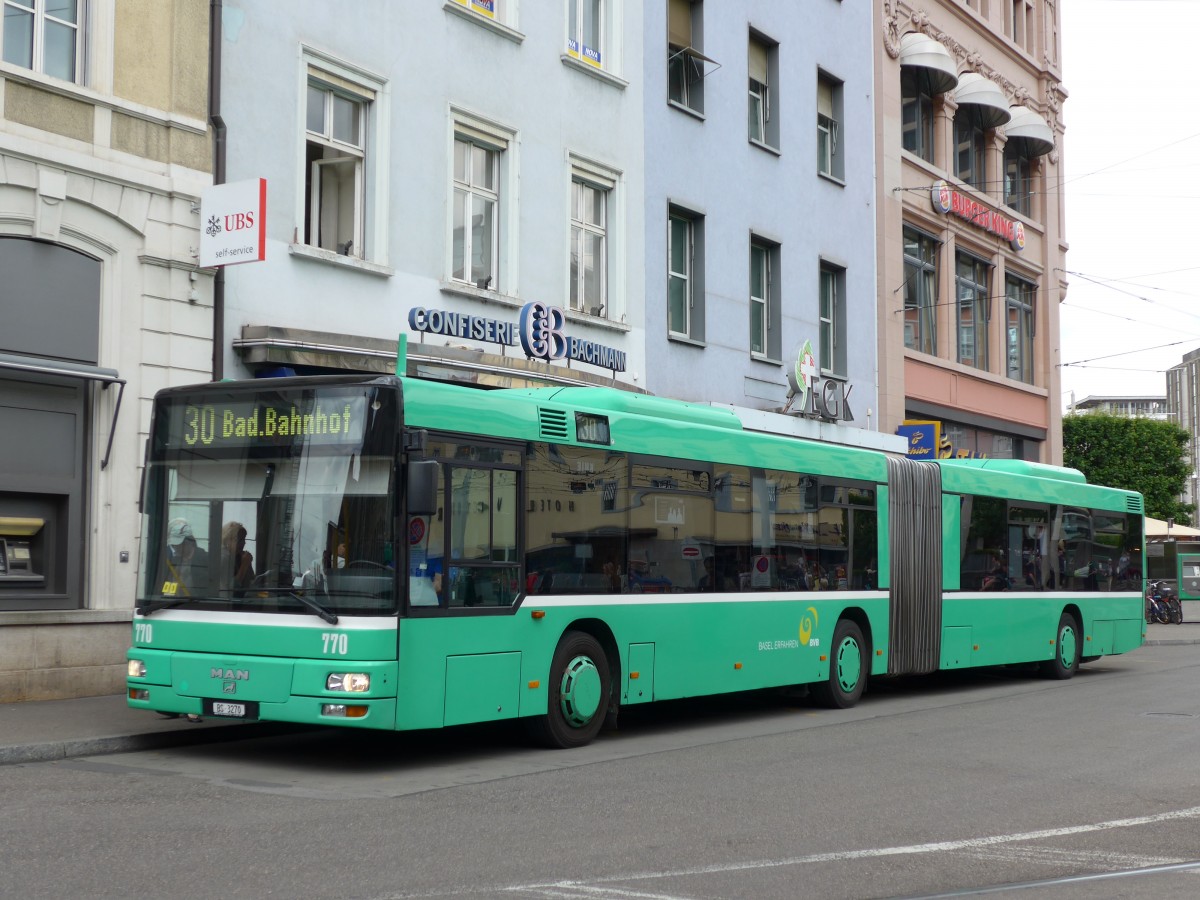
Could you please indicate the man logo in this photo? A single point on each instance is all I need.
(229, 674)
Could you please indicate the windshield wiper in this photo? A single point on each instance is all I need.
(154, 605)
(316, 607)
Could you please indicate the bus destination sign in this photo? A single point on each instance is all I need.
(240, 423)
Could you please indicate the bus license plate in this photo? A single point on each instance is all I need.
(226, 709)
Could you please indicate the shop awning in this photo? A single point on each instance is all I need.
(923, 52)
(1029, 132)
(975, 90)
(1157, 529)
(38, 365)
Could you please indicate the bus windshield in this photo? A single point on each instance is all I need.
(274, 501)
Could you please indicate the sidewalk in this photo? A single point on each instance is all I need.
(59, 729)
(1187, 633)
(90, 726)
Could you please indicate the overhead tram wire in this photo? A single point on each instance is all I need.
(1083, 362)
(1101, 312)
(1061, 180)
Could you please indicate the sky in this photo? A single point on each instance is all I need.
(1131, 158)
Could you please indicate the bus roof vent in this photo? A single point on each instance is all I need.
(553, 424)
(1134, 504)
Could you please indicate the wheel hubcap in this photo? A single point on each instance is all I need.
(849, 664)
(1066, 643)
(580, 691)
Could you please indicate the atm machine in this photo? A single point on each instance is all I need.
(19, 551)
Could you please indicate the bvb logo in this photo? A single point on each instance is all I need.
(807, 624)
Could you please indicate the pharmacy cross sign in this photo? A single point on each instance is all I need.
(826, 398)
(806, 372)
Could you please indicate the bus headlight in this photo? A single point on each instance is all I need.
(137, 668)
(353, 682)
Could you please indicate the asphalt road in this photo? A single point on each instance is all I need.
(975, 784)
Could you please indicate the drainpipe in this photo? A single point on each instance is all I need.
(218, 128)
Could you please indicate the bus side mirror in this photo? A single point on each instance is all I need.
(422, 487)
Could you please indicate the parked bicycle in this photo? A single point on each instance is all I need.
(1162, 605)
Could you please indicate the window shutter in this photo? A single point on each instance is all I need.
(824, 98)
(679, 23)
(758, 61)
(339, 83)
(479, 136)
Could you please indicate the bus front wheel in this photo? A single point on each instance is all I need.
(847, 668)
(1067, 649)
(579, 692)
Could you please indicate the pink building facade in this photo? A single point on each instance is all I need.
(970, 228)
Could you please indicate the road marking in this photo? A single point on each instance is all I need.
(1054, 856)
(1188, 867)
(578, 890)
(879, 852)
(592, 887)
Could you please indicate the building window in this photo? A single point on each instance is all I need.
(476, 212)
(916, 99)
(764, 298)
(920, 291)
(760, 303)
(1019, 327)
(1050, 31)
(971, 285)
(45, 36)
(585, 31)
(1018, 181)
(593, 198)
(484, 219)
(829, 117)
(335, 150)
(764, 65)
(685, 275)
(970, 142)
(493, 10)
(685, 62)
(832, 316)
(1019, 23)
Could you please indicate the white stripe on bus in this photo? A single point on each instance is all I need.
(291, 620)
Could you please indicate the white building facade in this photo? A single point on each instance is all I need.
(1183, 408)
(435, 169)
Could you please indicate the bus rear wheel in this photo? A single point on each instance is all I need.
(847, 668)
(1067, 650)
(579, 691)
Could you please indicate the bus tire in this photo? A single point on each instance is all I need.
(579, 691)
(847, 668)
(1067, 649)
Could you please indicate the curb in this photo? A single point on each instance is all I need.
(50, 751)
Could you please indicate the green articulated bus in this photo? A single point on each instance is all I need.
(391, 553)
